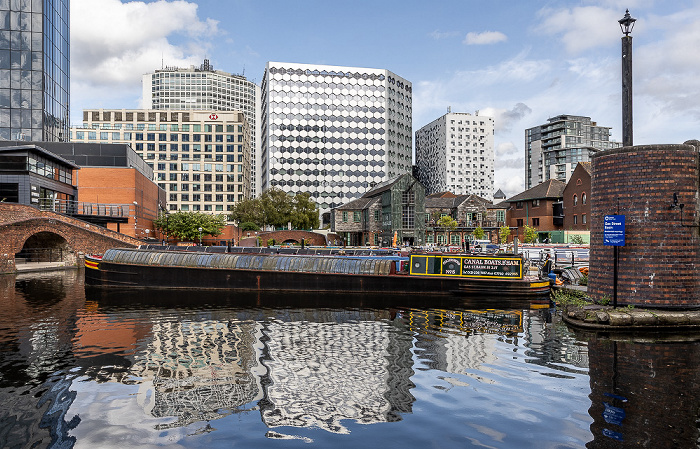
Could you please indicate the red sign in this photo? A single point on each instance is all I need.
(213, 117)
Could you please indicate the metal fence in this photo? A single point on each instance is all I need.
(83, 208)
(28, 255)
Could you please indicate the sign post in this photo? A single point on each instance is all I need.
(614, 235)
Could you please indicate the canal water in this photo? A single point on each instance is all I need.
(86, 369)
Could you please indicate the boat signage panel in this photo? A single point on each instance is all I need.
(467, 266)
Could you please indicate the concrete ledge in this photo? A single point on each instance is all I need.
(606, 318)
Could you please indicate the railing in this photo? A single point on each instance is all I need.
(83, 208)
(39, 255)
(462, 224)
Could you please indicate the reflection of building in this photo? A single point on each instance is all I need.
(34, 70)
(550, 344)
(644, 394)
(323, 373)
(199, 370)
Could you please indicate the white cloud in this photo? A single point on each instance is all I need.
(484, 38)
(437, 34)
(114, 43)
(581, 28)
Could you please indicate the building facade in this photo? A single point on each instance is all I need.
(200, 158)
(540, 207)
(332, 131)
(469, 211)
(552, 150)
(205, 89)
(34, 70)
(577, 199)
(456, 153)
(392, 213)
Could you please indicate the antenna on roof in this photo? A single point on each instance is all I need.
(244, 71)
(162, 61)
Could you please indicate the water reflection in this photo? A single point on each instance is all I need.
(645, 391)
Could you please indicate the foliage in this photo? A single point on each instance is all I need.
(447, 222)
(583, 280)
(185, 225)
(479, 233)
(248, 226)
(504, 233)
(270, 242)
(530, 234)
(576, 239)
(275, 208)
(605, 300)
(564, 297)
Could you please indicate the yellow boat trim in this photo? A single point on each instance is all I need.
(92, 265)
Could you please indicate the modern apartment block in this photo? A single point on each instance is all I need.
(200, 158)
(455, 153)
(553, 150)
(333, 131)
(34, 70)
(205, 89)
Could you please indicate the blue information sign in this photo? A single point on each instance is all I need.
(614, 230)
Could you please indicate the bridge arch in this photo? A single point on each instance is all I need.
(46, 246)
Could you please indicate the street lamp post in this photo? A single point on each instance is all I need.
(626, 25)
(136, 217)
(200, 236)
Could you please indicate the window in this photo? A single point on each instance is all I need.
(356, 217)
(575, 200)
(575, 219)
(535, 222)
(519, 222)
(535, 203)
(345, 217)
(583, 219)
(519, 205)
(583, 200)
(501, 215)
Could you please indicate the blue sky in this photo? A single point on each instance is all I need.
(521, 62)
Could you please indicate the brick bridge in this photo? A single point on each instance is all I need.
(26, 230)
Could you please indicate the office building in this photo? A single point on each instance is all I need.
(553, 150)
(205, 89)
(200, 158)
(455, 153)
(34, 70)
(333, 131)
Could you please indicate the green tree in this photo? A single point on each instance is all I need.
(277, 207)
(530, 234)
(304, 212)
(248, 226)
(504, 233)
(576, 239)
(248, 211)
(185, 225)
(479, 233)
(447, 222)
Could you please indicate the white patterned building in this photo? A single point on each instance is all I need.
(455, 153)
(333, 131)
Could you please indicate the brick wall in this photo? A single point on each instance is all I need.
(19, 222)
(659, 266)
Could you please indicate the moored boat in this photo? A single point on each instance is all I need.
(423, 274)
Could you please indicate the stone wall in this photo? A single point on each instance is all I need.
(659, 266)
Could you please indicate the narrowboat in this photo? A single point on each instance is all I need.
(388, 274)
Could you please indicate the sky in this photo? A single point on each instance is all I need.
(521, 62)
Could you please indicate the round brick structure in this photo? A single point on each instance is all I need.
(659, 266)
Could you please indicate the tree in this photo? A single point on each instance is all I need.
(304, 212)
(250, 211)
(448, 223)
(504, 233)
(277, 207)
(185, 225)
(479, 233)
(530, 234)
(248, 226)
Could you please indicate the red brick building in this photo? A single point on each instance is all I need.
(539, 207)
(577, 199)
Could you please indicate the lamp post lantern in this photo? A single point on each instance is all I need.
(200, 235)
(626, 26)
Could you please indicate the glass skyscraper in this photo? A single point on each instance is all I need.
(34, 70)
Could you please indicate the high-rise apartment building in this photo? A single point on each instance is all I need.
(205, 89)
(34, 70)
(455, 153)
(200, 158)
(333, 131)
(553, 150)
